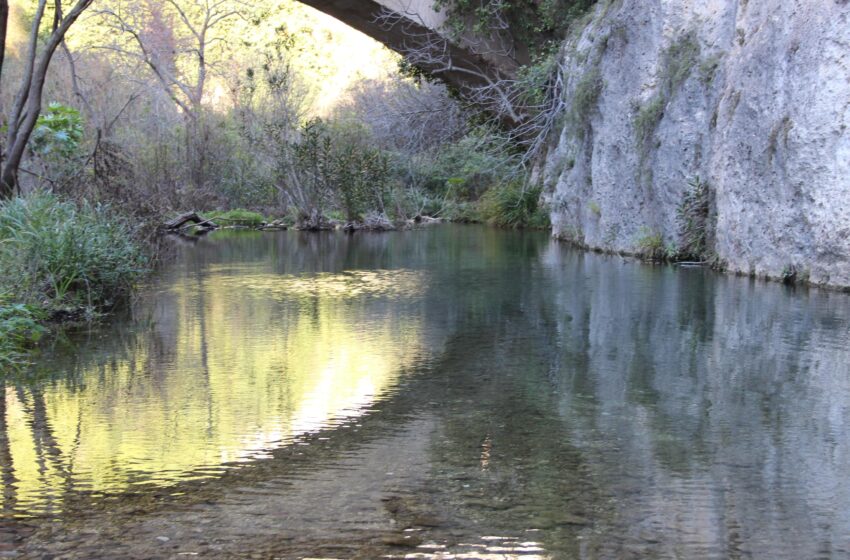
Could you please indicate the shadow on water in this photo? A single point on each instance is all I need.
(450, 392)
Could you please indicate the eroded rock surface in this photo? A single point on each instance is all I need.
(751, 97)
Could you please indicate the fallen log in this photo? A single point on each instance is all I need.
(189, 219)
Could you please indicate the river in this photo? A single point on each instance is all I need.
(446, 392)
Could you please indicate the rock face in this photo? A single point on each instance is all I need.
(750, 96)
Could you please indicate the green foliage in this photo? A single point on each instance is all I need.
(58, 132)
(650, 246)
(20, 328)
(361, 175)
(473, 164)
(693, 216)
(59, 259)
(514, 204)
(238, 216)
(585, 99)
(533, 23)
(677, 62)
(646, 121)
(533, 79)
(58, 255)
(461, 211)
(333, 162)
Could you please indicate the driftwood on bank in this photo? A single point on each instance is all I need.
(188, 220)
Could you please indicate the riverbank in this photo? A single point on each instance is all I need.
(62, 261)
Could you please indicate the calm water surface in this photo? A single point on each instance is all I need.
(453, 392)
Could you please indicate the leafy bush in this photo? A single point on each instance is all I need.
(56, 254)
(332, 163)
(532, 23)
(58, 132)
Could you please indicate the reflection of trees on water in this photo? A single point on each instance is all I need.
(208, 360)
(7, 473)
(613, 409)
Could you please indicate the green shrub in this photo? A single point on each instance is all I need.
(55, 254)
(514, 204)
(59, 259)
(460, 211)
(650, 246)
(238, 216)
(335, 163)
(58, 132)
(534, 24)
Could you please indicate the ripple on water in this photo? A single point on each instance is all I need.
(451, 393)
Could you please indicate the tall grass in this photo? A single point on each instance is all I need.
(19, 327)
(59, 258)
(514, 205)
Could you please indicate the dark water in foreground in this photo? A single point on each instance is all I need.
(455, 392)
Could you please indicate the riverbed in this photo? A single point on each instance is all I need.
(447, 392)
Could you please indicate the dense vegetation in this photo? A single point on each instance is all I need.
(60, 260)
(535, 25)
(231, 109)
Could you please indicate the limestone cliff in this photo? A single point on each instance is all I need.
(750, 96)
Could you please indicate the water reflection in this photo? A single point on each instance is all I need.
(236, 360)
(514, 399)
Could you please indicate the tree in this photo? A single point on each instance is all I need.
(27, 105)
(518, 91)
(180, 42)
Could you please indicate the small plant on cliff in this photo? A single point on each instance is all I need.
(584, 100)
(677, 62)
(646, 121)
(650, 246)
(693, 216)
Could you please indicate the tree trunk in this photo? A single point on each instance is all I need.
(28, 102)
(8, 182)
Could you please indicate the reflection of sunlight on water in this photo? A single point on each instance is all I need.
(492, 548)
(229, 372)
(317, 406)
(348, 284)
